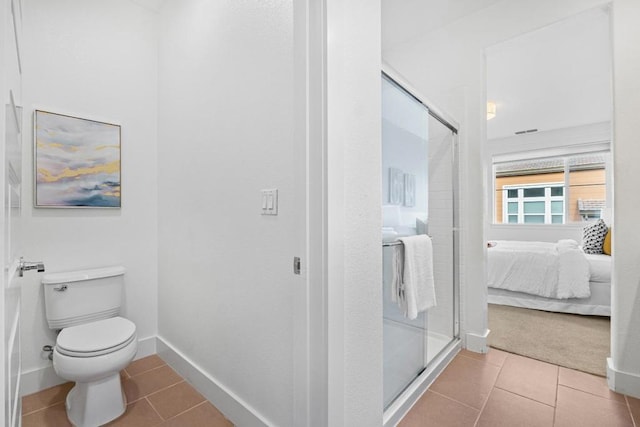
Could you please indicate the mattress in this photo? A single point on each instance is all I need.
(598, 304)
(599, 268)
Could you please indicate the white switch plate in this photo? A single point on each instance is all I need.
(269, 201)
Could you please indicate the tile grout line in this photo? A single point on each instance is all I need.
(144, 372)
(43, 408)
(633, 420)
(451, 399)
(187, 410)
(493, 386)
(524, 397)
(154, 409)
(480, 360)
(592, 394)
(555, 406)
(182, 380)
(154, 392)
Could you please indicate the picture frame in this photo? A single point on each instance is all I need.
(76, 162)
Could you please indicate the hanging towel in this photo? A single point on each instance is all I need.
(397, 291)
(417, 278)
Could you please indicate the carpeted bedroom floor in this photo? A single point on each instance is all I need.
(569, 340)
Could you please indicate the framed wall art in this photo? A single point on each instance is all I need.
(409, 190)
(396, 186)
(76, 162)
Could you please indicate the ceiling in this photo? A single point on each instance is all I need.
(556, 77)
(406, 20)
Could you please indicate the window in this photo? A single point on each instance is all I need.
(534, 205)
(555, 190)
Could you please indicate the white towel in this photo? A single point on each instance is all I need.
(417, 278)
(397, 291)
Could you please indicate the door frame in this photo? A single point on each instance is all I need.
(338, 360)
(310, 290)
(10, 88)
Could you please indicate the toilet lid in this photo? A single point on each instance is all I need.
(96, 338)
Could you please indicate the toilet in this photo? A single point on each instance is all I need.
(94, 343)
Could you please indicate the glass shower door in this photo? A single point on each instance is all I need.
(442, 318)
(418, 167)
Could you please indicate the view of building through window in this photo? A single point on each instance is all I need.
(555, 190)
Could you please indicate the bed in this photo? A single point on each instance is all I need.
(549, 276)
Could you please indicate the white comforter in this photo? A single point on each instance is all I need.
(553, 270)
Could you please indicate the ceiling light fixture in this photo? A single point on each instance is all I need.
(491, 110)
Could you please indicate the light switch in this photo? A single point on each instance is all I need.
(270, 201)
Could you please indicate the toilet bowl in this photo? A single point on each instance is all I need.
(92, 355)
(94, 343)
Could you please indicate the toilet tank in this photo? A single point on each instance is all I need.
(82, 296)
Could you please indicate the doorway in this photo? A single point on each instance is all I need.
(549, 171)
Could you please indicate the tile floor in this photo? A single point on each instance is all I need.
(503, 389)
(156, 396)
(493, 390)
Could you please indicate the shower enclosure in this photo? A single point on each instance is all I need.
(419, 188)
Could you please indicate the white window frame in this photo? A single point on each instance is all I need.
(565, 152)
(547, 199)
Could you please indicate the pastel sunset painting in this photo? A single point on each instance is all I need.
(77, 162)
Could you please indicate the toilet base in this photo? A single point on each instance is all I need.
(96, 403)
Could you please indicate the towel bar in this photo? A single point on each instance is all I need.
(396, 242)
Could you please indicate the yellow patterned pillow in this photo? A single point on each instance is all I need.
(606, 246)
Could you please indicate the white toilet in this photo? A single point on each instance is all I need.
(94, 343)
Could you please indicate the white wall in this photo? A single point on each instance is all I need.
(457, 85)
(624, 372)
(226, 124)
(355, 254)
(97, 60)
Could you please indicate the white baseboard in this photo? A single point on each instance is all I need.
(38, 379)
(146, 347)
(622, 382)
(478, 343)
(232, 406)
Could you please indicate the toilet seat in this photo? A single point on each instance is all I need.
(96, 338)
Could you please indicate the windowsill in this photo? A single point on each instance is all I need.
(570, 225)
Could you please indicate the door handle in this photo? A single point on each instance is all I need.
(29, 265)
